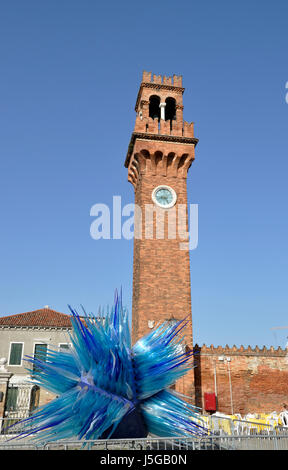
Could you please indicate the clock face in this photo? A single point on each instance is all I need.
(164, 196)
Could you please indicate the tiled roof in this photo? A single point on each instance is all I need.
(42, 317)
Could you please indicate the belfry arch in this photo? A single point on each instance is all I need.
(154, 107)
(170, 109)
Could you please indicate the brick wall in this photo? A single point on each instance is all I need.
(161, 275)
(161, 270)
(258, 378)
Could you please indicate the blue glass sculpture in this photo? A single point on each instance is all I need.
(107, 388)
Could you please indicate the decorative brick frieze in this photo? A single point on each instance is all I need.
(153, 158)
(241, 351)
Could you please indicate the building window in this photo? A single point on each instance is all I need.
(11, 399)
(63, 347)
(40, 353)
(15, 357)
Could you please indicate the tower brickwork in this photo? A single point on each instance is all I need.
(160, 153)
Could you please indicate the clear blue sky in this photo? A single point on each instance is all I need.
(70, 72)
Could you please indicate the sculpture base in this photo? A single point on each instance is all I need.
(131, 426)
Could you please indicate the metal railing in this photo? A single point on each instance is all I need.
(243, 427)
(235, 427)
(10, 425)
(260, 442)
(223, 433)
(246, 442)
(213, 425)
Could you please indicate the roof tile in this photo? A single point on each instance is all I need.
(42, 317)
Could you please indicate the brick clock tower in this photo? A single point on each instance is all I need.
(160, 153)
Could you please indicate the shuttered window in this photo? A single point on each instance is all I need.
(11, 400)
(15, 354)
(40, 352)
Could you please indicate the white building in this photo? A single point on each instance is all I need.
(27, 334)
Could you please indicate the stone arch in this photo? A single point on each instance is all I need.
(149, 162)
(171, 161)
(145, 153)
(158, 157)
(182, 160)
(170, 109)
(141, 161)
(170, 158)
(184, 164)
(134, 169)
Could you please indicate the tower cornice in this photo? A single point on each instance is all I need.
(156, 137)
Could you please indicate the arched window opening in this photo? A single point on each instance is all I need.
(154, 109)
(170, 109)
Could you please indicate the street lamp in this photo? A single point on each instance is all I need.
(227, 359)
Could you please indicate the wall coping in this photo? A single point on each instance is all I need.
(32, 328)
(238, 351)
